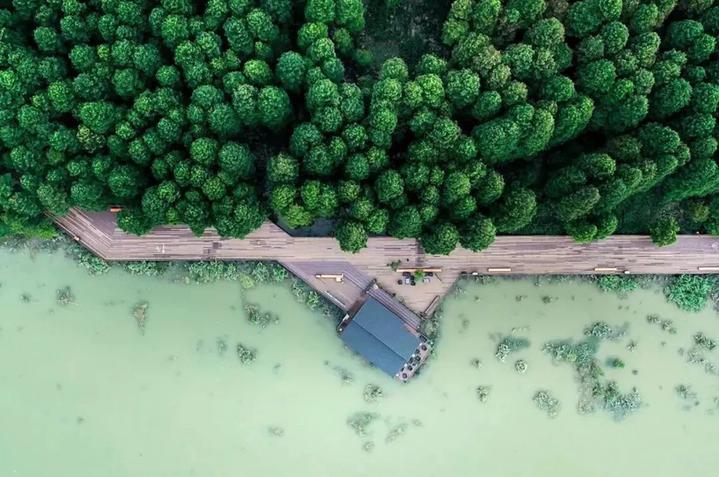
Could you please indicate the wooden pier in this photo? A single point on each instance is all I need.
(310, 256)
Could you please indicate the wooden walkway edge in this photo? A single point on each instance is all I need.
(307, 256)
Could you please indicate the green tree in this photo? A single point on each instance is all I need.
(440, 239)
(351, 235)
(478, 233)
(664, 231)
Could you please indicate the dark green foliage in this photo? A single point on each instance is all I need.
(584, 118)
(619, 284)
(690, 292)
(351, 235)
(478, 233)
(441, 239)
(664, 231)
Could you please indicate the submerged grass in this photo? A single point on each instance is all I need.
(139, 312)
(595, 391)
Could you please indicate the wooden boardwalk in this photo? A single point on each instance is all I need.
(520, 255)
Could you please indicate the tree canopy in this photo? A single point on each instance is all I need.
(583, 117)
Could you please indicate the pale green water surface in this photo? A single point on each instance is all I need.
(83, 393)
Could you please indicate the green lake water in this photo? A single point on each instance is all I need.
(84, 393)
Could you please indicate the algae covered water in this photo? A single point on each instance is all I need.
(118, 375)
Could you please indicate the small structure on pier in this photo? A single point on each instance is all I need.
(383, 339)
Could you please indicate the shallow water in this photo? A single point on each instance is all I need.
(83, 392)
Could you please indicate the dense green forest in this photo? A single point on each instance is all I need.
(522, 116)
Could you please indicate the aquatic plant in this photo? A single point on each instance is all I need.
(665, 325)
(210, 271)
(221, 345)
(457, 290)
(313, 300)
(594, 391)
(246, 354)
(360, 421)
(603, 331)
(93, 264)
(509, 345)
(579, 354)
(484, 279)
(86, 260)
(64, 296)
(278, 272)
(261, 273)
(541, 280)
(246, 281)
(547, 403)
(616, 403)
(686, 394)
(276, 431)
(256, 317)
(696, 354)
(146, 268)
(690, 292)
(139, 312)
(704, 342)
(614, 362)
(345, 374)
(204, 272)
(430, 326)
(620, 284)
(520, 366)
(483, 393)
(396, 431)
(372, 393)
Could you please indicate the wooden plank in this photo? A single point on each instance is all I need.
(520, 255)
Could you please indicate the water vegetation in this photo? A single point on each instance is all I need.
(666, 325)
(521, 366)
(276, 431)
(508, 345)
(246, 354)
(248, 274)
(614, 362)
(595, 391)
(690, 292)
(256, 317)
(697, 353)
(64, 296)
(139, 312)
(687, 395)
(620, 284)
(601, 330)
(372, 393)
(396, 431)
(146, 268)
(483, 393)
(547, 403)
(704, 342)
(361, 421)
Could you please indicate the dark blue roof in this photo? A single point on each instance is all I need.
(380, 336)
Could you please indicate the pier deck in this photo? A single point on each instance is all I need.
(307, 256)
